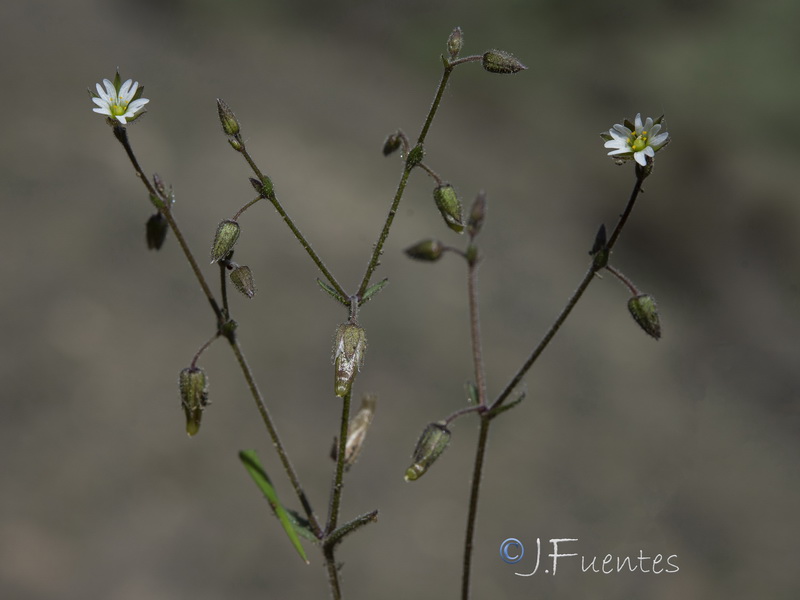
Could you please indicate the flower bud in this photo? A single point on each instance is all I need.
(357, 432)
(263, 187)
(348, 356)
(455, 42)
(431, 444)
(427, 250)
(242, 279)
(644, 311)
(224, 239)
(194, 396)
(230, 125)
(449, 206)
(477, 215)
(498, 61)
(392, 144)
(156, 229)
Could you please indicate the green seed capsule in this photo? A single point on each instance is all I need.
(644, 311)
(193, 386)
(224, 240)
(499, 61)
(449, 206)
(431, 444)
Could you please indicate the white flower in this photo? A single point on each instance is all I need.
(121, 102)
(643, 142)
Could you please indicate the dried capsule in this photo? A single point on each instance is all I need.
(357, 431)
(477, 215)
(348, 356)
(242, 279)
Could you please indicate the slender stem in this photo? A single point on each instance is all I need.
(401, 186)
(475, 330)
(462, 412)
(336, 490)
(276, 441)
(473, 504)
(297, 234)
(328, 549)
(203, 349)
(576, 295)
(333, 572)
(245, 207)
(378, 249)
(625, 281)
(223, 286)
(448, 69)
(122, 136)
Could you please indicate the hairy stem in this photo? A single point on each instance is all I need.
(273, 434)
(122, 136)
(297, 234)
(472, 514)
(475, 331)
(401, 186)
(576, 295)
(336, 490)
(328, 548)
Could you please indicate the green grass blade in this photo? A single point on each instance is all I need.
(253, 466)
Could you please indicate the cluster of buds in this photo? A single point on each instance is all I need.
(348, 356)
(193, 385)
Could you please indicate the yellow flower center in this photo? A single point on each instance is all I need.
(639, 143)
(119, 108)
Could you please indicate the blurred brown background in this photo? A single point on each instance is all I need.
(688, 446)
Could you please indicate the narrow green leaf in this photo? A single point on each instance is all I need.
(503, 408)
(372, 290)
(333, 293)
(472, 392)
(253, 466)
(301, 525)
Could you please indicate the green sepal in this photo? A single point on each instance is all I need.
(332, 292)
(372, 290)
(301, 525)
(157, 202)
(415, 156)
(253, 466)
(117, 83)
